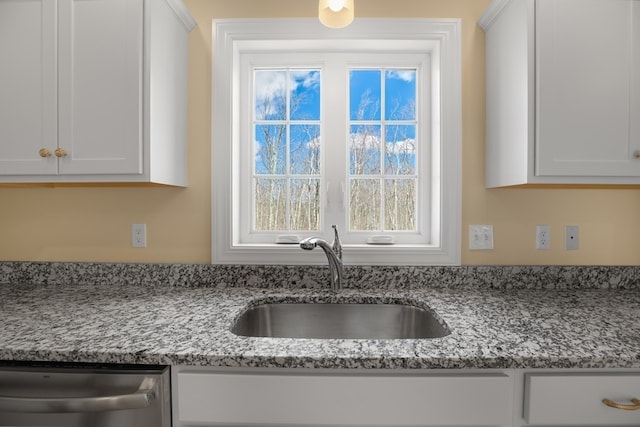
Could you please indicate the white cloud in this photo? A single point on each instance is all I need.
(315, 143)
(406, 146)
(405, 75)
(305, 78)
(372, 142)
(270, 84)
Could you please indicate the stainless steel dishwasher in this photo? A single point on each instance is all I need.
(81, 395)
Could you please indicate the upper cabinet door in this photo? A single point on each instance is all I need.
(101, 86)
(586, 84)
(28, 118)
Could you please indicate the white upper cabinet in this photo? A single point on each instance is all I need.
(28, 87)
(563, 92)
(100, 95)
(94, 91)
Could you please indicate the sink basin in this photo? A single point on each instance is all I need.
(338, 320)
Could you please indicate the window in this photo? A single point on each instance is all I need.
(358, 128)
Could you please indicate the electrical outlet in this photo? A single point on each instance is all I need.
(571, 238)
(480, 237)
(139, 235)
(543, 237)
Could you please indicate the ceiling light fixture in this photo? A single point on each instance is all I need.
(335, 13)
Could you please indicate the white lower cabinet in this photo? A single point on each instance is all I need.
(224, 397)
(576, 399)
(237, 397)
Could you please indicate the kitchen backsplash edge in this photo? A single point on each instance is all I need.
(358, 277)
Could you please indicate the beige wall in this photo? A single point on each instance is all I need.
(93, 223)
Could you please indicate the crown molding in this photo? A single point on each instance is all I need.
(182, 13)
(492, 12)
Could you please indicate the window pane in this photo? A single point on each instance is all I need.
(374, 135)
(365, 94)
(364, 205)
(270, 149)
(305, 94)
(400, 94)
(400, 205)
(305, 204)
(364, 150)
(287, 149)
(305, 149)
(270, 94)
(270, 204)
(400, 150)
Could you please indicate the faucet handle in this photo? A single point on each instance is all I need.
(336, 246)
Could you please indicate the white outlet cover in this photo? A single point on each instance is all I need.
(481, 237)
(571, 238)
(139, 235)
(543, 237)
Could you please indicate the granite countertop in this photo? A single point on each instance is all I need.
(491, 328)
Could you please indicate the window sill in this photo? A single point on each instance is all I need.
(397, 254)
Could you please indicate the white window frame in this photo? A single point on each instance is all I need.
(334, 127)
(438, 38)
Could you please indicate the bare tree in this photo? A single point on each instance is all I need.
(287, 198)
(383, 185)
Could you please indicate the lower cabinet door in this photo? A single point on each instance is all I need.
(577, 399)
(344, 399)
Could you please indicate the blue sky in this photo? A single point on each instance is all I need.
(305, 89)
(400, 87)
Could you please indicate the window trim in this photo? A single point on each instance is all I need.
(231, 37)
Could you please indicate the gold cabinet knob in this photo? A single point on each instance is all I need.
(60, 152)
(636, 154)
(44, 152)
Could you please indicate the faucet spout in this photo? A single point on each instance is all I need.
(333, 253)
(336, 245)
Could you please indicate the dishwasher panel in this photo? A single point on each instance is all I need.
(85, 396)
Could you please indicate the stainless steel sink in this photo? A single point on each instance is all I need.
(341, 320)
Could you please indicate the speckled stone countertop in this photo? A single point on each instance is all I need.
(491, 328)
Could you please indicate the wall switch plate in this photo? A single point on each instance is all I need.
(480, 237)
(571, 238)
(543, 237)
(139, 235)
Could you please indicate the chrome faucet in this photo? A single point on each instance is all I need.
(333, 253)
